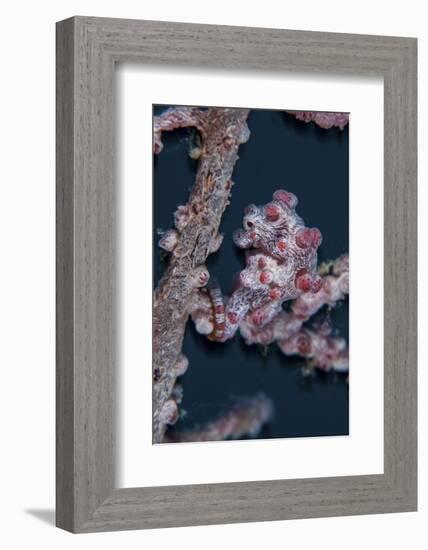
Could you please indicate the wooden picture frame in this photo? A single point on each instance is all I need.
(87, 50)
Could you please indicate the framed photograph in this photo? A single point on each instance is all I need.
(236, 274)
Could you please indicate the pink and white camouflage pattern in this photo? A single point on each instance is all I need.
(281, 264)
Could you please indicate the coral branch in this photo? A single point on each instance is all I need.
(195, 236)
(176, 117)
(322, 119)
(325, 351)
(313, 342)
(245, 418)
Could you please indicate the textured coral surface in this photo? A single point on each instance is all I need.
(281, 264)
(195, 236)
(315, 342)
(323, 120)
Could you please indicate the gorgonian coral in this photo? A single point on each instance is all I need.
(195, 236)
(244, 418)
(321, 119)
(315, 341)
(276, 294)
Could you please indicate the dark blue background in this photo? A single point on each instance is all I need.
(313, 164)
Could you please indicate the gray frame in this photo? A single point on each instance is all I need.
(87, 50)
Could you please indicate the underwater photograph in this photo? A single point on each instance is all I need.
(250, 274)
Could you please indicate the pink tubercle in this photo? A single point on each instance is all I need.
(232, 317)
(286, 197)
(266, 277)
(275, 293)
(257, 317)
(304, 237)
(303, 280)
(272, 212)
